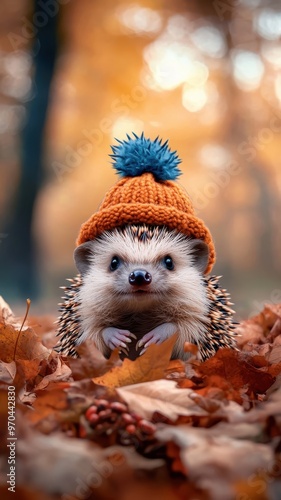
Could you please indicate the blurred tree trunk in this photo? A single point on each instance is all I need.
(18, 253)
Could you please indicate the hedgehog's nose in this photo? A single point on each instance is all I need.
(140, 277)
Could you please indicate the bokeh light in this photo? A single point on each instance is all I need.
(248, 69)
(140, 20)
(268, 23)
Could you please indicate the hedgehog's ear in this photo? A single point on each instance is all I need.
(82, 256)
(200, 253)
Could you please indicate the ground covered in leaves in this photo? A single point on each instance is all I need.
(91, 428)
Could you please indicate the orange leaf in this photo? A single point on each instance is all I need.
(150, 366)
(49, 402)
(236, 368)
(25, 342)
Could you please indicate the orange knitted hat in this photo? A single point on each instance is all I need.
(147, 194)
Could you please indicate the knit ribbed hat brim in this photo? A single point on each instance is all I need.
(143, 213)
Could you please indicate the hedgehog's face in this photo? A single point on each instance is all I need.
(141, 267)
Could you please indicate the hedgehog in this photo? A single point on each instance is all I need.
(143, 260)
(122, 298)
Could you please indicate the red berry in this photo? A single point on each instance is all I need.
(146, 426)
(100, 428)
(91, 410)
(119, 407)
(102, 404)
(128, 419)
(131, 429)
(136, 416)
(103, 414)
(93, 419)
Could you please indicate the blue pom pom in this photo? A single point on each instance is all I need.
(138, 155)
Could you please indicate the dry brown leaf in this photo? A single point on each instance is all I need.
(275, 330)
(7, 372)
(91, 362)
(216, 462)
(49, 402)
(214, 458)
(162, 396)
(58, 465)
(249, 334)
(269, 408)
(26, 343)
(236, 369)
(62, 372)
(261, 328)
(274, 355)
(28, 369)
(176, 369)
(150, 366)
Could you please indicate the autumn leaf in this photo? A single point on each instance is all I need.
(236, 368)
(49, 402)
(7, 371)
(162, 396)
(150, 366)
(214, 460)
(61, 372)
(25, 342)
(91, 362)
(216, 422)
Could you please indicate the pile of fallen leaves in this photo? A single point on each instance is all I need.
(91, 428)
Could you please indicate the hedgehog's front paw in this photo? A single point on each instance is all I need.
(115, 337)
(156, 336)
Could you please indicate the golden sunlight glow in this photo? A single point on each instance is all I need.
(214, 156)
(170, 63)
(272, 54)
(139, 20)
(267, 23)
(209, 40)
(248, 69)
(194, 99)
(122, 125)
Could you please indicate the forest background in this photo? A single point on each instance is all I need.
(76, 74)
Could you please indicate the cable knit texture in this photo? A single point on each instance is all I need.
(144, 200)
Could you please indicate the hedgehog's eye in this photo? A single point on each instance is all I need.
(168, 261)
(115, 263)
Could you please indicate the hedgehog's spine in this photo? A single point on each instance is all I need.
(221, 329)
(69, 321)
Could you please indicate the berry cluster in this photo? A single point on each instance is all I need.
(113, 420)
